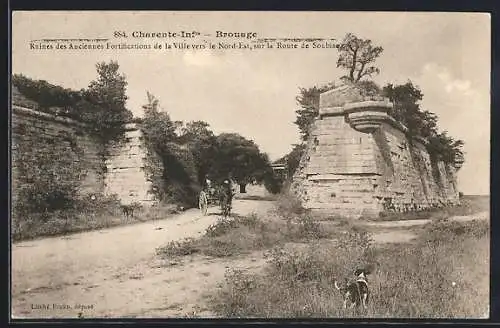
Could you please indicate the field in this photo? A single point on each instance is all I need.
(441, 272)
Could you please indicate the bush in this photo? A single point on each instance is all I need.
(171, 167)
(89, 212)
(442, 231)
(430, 276)
(234, 236)
(304, 227)
(288, 205)
(225, 225)
(179, 248)
(273, 183)
(468, 205)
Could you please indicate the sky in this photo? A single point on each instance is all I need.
(447, 55)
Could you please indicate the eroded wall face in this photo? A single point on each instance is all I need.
(125, 176)
(122, 174)
(338, 171)
(409, 179)
(351, 173)
(30, 127)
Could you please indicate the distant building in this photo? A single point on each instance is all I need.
(280, 169)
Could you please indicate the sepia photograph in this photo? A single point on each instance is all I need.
(252, 164)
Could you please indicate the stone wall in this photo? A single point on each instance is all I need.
(125, 175)
(358, 161)
(122, 174)
(29, 125)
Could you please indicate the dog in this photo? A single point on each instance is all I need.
(355, 293)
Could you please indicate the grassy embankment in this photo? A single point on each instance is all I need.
(443, 273)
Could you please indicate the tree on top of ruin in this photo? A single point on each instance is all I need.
(357, 56)
(104, 104)
(308, 100)
(423, 123)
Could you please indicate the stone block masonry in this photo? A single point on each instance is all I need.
(125, 175)
(359, 162)
(29, 125)
(122, 174)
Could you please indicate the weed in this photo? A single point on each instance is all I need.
(238, 235)
(179, 248)
(288, 205)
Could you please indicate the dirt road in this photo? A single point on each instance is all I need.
(115, 272)
(112, 272)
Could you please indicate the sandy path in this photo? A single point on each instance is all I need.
(113, 272)
(392, 230)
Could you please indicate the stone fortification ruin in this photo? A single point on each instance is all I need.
(359, 161)
(121, 174)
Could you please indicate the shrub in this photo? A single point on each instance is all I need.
(221, 227)
(170, 166)
(273, 183)
(89, 212)
(224, 225)
(288, 205)
(233, 236)
(468, 205)
(238, 285)
(294, 265)
(304, 227)
(442, 231)
(179, 248)
(428, 279)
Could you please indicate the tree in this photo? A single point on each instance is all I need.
(238, 158)
(273, 182)
(157, 126)
(406, 108)
(292, 159)
(195, 130)
(309, 103)
(445, 148)
(428, 123)
(422, 123)
(104, 102)
(170, 166)
(202, 143)
(356, 55)
(49, 97)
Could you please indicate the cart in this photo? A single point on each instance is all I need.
(213, 197)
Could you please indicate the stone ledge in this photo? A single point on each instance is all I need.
(373, 105)
(331, 111)
(20, 110)
(38, 114)
(341, 176)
